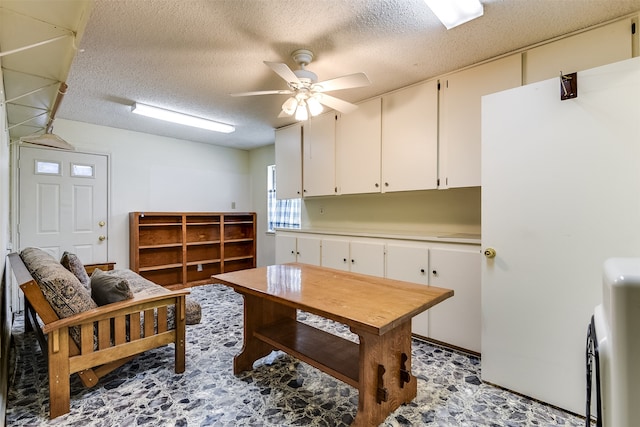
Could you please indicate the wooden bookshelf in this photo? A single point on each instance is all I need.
(179, 249)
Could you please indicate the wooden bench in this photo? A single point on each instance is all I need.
(111, 335)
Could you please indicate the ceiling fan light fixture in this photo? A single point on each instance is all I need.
(455, 12)
(301, 111)
(290, 105)
(314, 105)
(180, 118)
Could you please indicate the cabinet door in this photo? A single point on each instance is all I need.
(410, 262)
(457, 320)
(308, 250)
(285, 249)
(335, 254)
(600, 46)
(410, 138)
(460, 96)
(289, 162)
(358, 149)
(319, 154)
(367, 258)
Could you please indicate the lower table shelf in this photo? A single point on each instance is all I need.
(329, 353)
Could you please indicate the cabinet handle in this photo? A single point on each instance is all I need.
(422, 270)
(344, 260)
(293, 252)
(435, 273)
(377, 185)
(297, 253)
(386, 184)
(353, 261)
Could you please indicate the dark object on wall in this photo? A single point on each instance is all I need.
(568, 86)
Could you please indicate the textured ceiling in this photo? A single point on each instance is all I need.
(190, 55)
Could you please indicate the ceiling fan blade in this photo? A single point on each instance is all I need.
(337, 104)
(263, 92)
(344, 82)
(283, 71)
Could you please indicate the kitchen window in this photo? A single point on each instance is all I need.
(280, 213)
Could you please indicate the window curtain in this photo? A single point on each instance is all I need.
(283, 213)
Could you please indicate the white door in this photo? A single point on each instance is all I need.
(63, 203)
(560, 185)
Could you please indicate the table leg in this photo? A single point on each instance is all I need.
(382, 391)
(258, 312)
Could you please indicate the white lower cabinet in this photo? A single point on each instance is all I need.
(455, 321)
(358, 256)
(305, 250)
(409, 262)
(453, 265)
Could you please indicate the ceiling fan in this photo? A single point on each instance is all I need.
(307, 94)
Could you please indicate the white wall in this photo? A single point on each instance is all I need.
(259, 159)
(411, 212)
(5, 326)
(154, 173)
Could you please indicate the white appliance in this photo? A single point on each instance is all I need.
(615, 346)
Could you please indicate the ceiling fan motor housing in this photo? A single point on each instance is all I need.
(306, 76)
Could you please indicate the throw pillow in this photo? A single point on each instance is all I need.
(72, 263)
(107, 289)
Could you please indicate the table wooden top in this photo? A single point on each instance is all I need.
(372, 304)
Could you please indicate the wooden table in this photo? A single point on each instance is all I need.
(378, 310)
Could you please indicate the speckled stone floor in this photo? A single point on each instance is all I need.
(280, 391)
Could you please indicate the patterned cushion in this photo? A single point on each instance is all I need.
(62, 289)
(144, 287)
(107, 289)
(72, 263)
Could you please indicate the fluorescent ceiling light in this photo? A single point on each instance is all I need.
(455, 12)
(183, 119)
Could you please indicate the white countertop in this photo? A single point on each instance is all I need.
(444, 237)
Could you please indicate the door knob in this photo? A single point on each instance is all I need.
(490, 253)
(102, 223)
(101, 238)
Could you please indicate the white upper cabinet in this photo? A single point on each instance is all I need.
(319, 156)
(460, 96)
(289, 162)
(600, 46)
(410, 138)
(358, 151)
